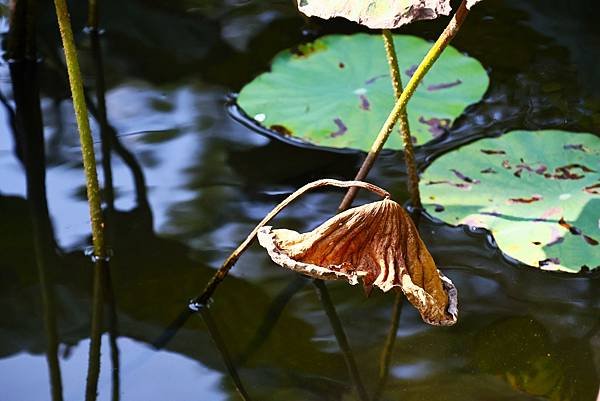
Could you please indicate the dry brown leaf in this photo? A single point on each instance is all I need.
(377, 243)
(376, 14)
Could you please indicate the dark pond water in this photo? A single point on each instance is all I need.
(189, 183)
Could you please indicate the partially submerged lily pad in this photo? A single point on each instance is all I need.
(376, 13)
(538, 192)
(336, 92)
(377, 243)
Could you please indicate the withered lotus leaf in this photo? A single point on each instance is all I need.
(377, 243)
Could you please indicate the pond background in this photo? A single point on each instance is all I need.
(195, 183)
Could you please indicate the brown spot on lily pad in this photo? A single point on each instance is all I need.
(577, 231)
(593, 189)
(306, 49)
(534, 198)
(341, 65)
(568, 172)
(364, 103)
(454, 184)
(437, 126)
(493, 151)
(464, 177)
(410, 71)
(445, 85)
(578, 146)
(280, 129)
(549, 261)
(342, 129)
(375, 78)
(526, 167)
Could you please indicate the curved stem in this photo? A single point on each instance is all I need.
(430, 58)
(230, 261)
(85, 134)
(409, 153)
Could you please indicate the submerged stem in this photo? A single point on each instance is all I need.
(342, 339)
(432, 55)
(388, 348)
(409, 153)
(234, 256)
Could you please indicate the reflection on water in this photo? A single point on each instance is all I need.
(189, 183)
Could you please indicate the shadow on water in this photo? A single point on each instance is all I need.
(522, 334)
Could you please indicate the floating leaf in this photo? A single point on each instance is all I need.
(536, 191)
(377, 243)
(376, 13)
(336, 92)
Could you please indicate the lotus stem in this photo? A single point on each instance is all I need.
(342, 339)
(388, 348)
(227, 359)
(430, 58)
(93, 373)
(409, 153)
(216, 279)
(85, 134)
(92, 21)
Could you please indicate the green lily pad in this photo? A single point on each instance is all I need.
(336, 92)
(538, 192)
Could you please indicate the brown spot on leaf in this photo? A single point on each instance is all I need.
(341, 65)
(454, 184)
(536, 243)
(526, 167)
(593, 189)
(506, 164)
(549, 261)
(437, 126)
(464, 177)
(342, 129)
(280, 129)
(377, 243)
(364, 103)
(578, 146)
(568, 172)
(375, 78)
(488, 170)
(577, 231)
(438, 208)
(534, 198)
(409, 72)
(493, 151)
(445, 85)
(306, 49)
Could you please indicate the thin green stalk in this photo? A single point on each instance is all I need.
(409, 153)
(428, 61)
(85, 135)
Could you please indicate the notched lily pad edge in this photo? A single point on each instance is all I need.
(238, 114)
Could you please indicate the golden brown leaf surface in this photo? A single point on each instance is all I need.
(376, 242)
